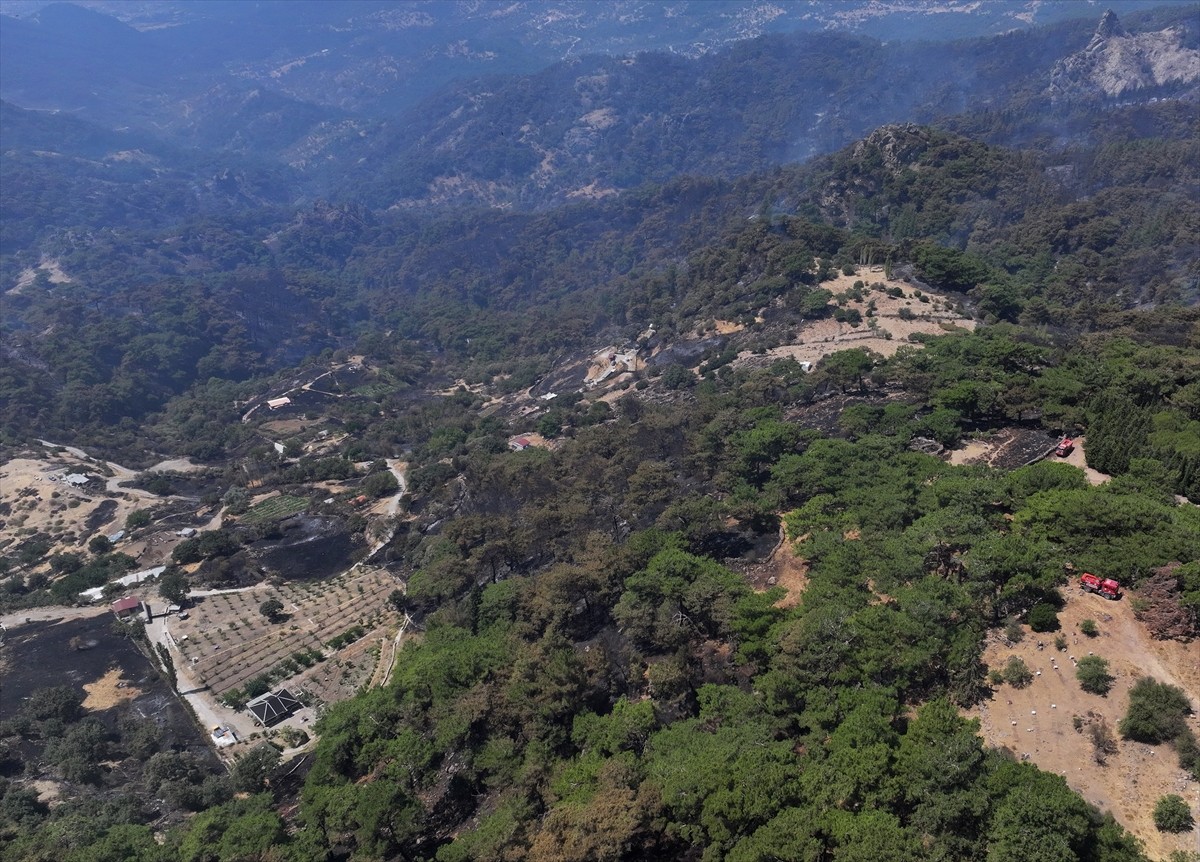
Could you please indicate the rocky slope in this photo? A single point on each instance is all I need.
(1117, 64)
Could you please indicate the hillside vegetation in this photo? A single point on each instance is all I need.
(657, 480)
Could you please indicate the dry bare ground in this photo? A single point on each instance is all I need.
(1037, 722)
(1078, 458)
(38, 500)
(108, 691)
(817, 339)
(51, 267)
(992, 449)
(971, 452)
(781, 569)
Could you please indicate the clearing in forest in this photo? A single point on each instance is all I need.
(891, 311)
(108, 691)
(781, 569)
(1038, 723)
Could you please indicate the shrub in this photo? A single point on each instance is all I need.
(677, 376)
(235, 698)
(258, 686)
(1171, 814)
(253, 768)
(380, 484)
(237, 501)
(1017, 673)
(1103, 743)
(1044, 618)
(1189, 753)
(1089, 628)
(1092, 673)
(1156, 712)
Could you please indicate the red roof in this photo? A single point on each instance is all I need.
(129, 603)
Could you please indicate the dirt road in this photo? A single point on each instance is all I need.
(1078, 458)
(17, 619)
(391, 508)
(208, 711)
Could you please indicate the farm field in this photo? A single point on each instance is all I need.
(226, 641)
(275, 508)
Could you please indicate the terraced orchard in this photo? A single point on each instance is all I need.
(275, 508)
(229, 643)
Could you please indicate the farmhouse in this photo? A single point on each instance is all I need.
(276, 403)
(273, 707)
(126, 607)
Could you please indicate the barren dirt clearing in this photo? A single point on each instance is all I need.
(895, 317)
(972, 452)
(1038, 722)
(49, 266)
(782, 568)
(16, 619)
(1078, 458)
(1006, 448)
(39, 499)
(108, 691)
(176, 465)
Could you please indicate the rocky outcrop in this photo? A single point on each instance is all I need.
(1117, 64)
(893, 147)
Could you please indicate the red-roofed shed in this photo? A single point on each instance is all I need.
(126, 606)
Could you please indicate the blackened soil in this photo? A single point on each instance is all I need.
(78, 652)
(101, 515)
(311, 548)
(823, 415)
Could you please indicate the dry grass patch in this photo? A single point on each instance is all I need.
(108, 691)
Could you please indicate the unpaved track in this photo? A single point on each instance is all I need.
(1078, 458)
(16, 619)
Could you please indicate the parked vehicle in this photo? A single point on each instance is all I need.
(1106, 587)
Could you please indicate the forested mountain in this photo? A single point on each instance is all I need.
(1050, 239)
(584, 127)
(669, 360)
(591, 127)
(372, 56)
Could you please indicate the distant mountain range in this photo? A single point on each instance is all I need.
(103, 58)
(356, 101)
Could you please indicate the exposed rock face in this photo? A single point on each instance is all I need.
(1116, 63)
(896, 146)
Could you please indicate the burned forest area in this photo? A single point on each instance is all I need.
(450, 433)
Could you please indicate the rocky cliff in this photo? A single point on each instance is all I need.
(1118, 64)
